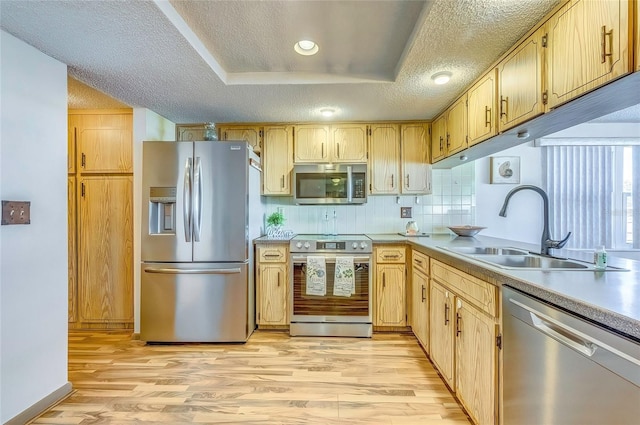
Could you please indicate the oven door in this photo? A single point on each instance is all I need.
(331, 308)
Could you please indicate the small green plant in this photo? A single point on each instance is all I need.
(275, 219)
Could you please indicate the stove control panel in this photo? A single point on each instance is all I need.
(334, 245)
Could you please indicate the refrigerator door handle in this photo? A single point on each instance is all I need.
(193, 271)
(349, 185)
(197, 200)
(186, 202)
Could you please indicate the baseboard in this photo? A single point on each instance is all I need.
(41, 406)
(135, 336)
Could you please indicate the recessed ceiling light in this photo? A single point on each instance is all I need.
(327, 112)
(441, 77)
(306, 47)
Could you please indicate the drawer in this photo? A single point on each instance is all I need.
(477, 292)
(391, 254)
(272, 254)
(420, 262)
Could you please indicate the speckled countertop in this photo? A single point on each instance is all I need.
(610, 298)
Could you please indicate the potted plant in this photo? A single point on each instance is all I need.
(274, 223)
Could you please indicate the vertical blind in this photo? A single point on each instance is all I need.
(579, 182)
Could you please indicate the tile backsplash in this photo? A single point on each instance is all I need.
(451, 203)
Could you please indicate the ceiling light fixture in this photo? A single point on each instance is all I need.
(441, 77)
(306, 47)
(327, 112)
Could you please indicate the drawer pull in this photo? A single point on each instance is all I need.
(458, 319)
(272, 255)
(446, 314)
(603, 48)
(392, 256)
(424, 293)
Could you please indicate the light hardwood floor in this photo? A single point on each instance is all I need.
(272, 379)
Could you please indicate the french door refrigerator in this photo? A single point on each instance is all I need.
(201, 210)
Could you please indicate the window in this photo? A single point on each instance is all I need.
(595, 194)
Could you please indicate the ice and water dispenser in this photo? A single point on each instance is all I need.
(162, 214)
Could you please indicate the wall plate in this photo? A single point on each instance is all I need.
(16, 212)
(405, 212)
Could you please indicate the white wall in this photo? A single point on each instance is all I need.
(451, 203)
(525, 213)
(33, 261)
(147, 125)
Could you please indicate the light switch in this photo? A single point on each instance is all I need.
(405, 212)
(16, 212)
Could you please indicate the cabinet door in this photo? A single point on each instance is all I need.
(277, 161)
(72, 135)
(439, 138)
(253, 135)
(414, 150)
(311, 143)
(476, 362)
(637, 37)
(390, 295)
(520, 84)
(482, 109)
(189, 132)
(105, 249)
(441, 332)
(272, 294)
(349, 142)
(73, 270)
(457, 126)
(104, 143)
(420, 308)
(384, 147)
(589, 45)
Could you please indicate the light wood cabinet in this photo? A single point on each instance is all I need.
(481, 109)
(420, 298)
(390, 291)
(457, 126)
(277, 157)
(330, 143)
(102, 142)
(272, 285)
(384, 161)
(414, 152)
(252, 134)
(439, 138)
(520, 82)
(463, 338)
(441, 332)
(105, 249)
(637, 36)
(72, 242)
(311, 143)
(588, 45)
(190, 132)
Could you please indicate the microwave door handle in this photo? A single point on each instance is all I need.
(349, 185)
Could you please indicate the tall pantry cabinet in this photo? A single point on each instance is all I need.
(101, 219)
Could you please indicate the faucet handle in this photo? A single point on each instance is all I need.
(558, 244)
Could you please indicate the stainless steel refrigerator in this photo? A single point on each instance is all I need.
(201, 210)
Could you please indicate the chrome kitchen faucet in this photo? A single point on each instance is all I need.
(546, 243)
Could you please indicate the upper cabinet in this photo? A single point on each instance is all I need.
(101, 142)
(277, 157)
(439, 138)
(589, 45)
(189, 132)
(457, 126)
(637, 37)
(330, 143)
(384, 147)
(520, 84)
(481, 109)
(252, 134)
(414, 152)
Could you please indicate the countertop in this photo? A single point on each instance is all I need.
(609, 298)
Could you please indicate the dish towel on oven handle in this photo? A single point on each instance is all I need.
(316, 275)
(344, 282)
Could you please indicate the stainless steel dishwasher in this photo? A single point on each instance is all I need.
(562, 370)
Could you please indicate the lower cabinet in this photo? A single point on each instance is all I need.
(272, 285)
(464, 338)
(390, 281)
(420, 298)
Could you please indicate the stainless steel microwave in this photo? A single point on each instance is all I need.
(315, 184)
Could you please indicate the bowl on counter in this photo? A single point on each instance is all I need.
(466, 230)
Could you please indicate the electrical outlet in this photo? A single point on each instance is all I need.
(405, 212)
(16, 212)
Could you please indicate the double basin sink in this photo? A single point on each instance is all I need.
(514, 258)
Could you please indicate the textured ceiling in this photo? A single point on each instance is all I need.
(233, 61)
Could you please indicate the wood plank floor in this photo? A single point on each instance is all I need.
(272, 379)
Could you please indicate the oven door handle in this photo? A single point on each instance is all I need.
(302, 259)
